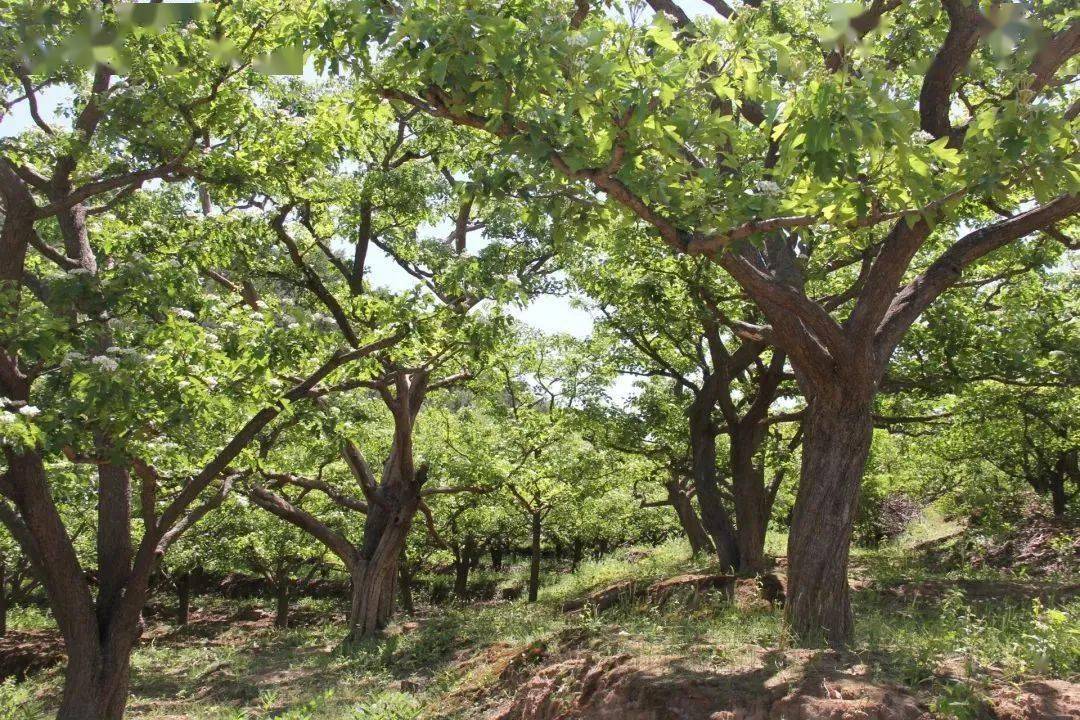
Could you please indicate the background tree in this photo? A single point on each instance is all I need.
(994, 367)
(672, 317)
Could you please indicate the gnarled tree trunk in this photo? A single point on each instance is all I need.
(837, 430)
(714, 516)
(752, 506)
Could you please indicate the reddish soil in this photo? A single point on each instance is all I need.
(795, 685)
(24, 652)
(1038, 700)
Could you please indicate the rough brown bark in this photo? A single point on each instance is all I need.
(837, 434)
(534, 558)
(714, 516)
(113, 534)
(496, 550)
(405, 583)
(389, 518)
(751, 501)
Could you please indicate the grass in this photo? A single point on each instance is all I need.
(948, 646)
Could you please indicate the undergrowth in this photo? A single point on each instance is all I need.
(947, 646)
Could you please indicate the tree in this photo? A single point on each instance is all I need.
(397, 190)
(543, 460)
(675, 320)
(72, 282)
(278, 552)
(843, 184)
(995, 365)
(390, 500)
(653, 427)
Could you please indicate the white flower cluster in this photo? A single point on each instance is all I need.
(29, 411)
(768, 187)
(924, 137)
(182, 313)
(105, 362)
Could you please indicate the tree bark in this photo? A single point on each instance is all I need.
(281, 595)
(389, 518)
(113, 535)
(373, 566)
(496, 554)
(714, 516)
(1065, 467)
(837, 433)
(1058, 497)
(688, 519)
(752, 507)
(575, 554)
(534, 561)
(183, 598)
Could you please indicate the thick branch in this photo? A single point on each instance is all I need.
(915, 297)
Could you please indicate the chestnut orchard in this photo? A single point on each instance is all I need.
(494, 315)
(845, 166)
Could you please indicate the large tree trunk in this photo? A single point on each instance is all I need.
(688, 519)
(95, 688)
(496, 554)
(714, 516)
(385, 532)
(752, 507)
(534, 560)
(183, 598)
(113, 535)
(837, 434)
